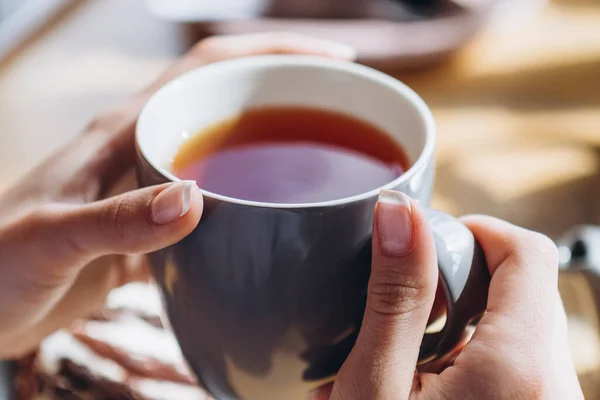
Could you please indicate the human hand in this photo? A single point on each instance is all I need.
(65, 243)
(519, 349)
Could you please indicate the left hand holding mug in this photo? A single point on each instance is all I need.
(519, 350)
(64, 245)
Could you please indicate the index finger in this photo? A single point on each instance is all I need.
(524, 269)
(226, 47)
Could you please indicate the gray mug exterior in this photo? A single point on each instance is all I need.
(266, 300)
(253, 281)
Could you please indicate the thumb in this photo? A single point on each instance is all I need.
(64, 236)
(139, 221)
(401, 292)
(46, 248)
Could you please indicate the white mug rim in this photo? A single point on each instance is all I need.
(309, 61)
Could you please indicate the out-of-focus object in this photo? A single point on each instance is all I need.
(6, 376)
(19, 19)
(579, 284)
(122, 352)
(580, 250)
(386, 33)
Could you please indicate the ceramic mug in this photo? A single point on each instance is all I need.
(266, 300)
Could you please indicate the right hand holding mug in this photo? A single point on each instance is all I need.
(519, 349)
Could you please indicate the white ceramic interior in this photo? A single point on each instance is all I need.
(221, 90)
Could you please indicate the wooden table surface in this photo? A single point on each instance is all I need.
(518, 113)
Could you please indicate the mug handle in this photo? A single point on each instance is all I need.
(465, 277)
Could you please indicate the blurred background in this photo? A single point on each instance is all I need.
(514, 86)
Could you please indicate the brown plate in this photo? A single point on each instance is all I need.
(385, 33)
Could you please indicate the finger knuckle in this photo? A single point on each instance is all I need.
(112, 221)
(206, 44)
(529, 247)
(45, 220)
(396, 295)
(531, 384)
(213, 44)
(104, 121)
(525, 375)
(97, 123)
(112, 122)
(535, 386)
(287, 42)
(39, 215)
(284, 37)
(534, 248)
(546, 249)
(48, 221)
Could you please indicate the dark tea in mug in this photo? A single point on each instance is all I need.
(290, 155)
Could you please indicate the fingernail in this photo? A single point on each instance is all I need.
(394, 223)
(172, 203)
